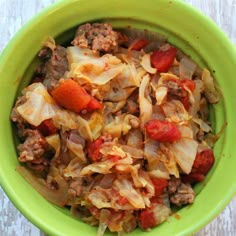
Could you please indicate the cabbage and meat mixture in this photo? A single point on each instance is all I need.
(115, 127)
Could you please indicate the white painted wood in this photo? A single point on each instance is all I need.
(14, 13)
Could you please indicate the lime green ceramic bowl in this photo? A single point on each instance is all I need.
(187, 29)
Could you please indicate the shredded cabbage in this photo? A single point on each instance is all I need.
(127, 190)
(185, 151)
(105, 162)
(39, 105)
(89, 68)
(145, 104)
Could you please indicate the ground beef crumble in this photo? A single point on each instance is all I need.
(98, 37)
(55, 64)
(33, 149)
(22, 126)
(180, 193)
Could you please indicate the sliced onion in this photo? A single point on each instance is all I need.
(158, 113)
(54, 142)
(144, 101)
(146, 64)
(204, 111)
(187, 68)
(135, 138)
(211, 139)
(101, 229)
(58, 197)
(203, 125)
(150, 36)
(154, 46)
(195, 102)
(161, 94)
(210, 91)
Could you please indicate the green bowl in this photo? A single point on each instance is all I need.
(185, 27)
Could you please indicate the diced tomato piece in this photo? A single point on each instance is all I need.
(189, 84)
(71, 95)
(203, 162)
(47, 128)
(156, 200)
(122, 200)
(139, 44)
(113, 158)
(193, 178)
(185, 101)
(147, 219)
(162, 131)
(162, 60)
(94, 104)
(94, 149)
(159, 185)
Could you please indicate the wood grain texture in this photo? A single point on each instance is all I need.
(14, 13)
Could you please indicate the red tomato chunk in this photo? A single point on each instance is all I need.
(139, 44)
(147, 219)
(47, 128)
(162, 131)
(94, 149)
(159, 185)
(189, 84)
(162, 60)
(202, 164)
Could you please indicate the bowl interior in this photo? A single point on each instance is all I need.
(194, 36)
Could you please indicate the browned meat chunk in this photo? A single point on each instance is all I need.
(180, 193)
(98, 37)
(22, 126)
(55, 67)
(33, 149)
(45, 54)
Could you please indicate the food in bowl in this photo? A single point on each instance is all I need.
(116, 127)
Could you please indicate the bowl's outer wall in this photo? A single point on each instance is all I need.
(186, 28)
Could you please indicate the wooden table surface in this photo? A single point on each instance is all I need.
(14, 13)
